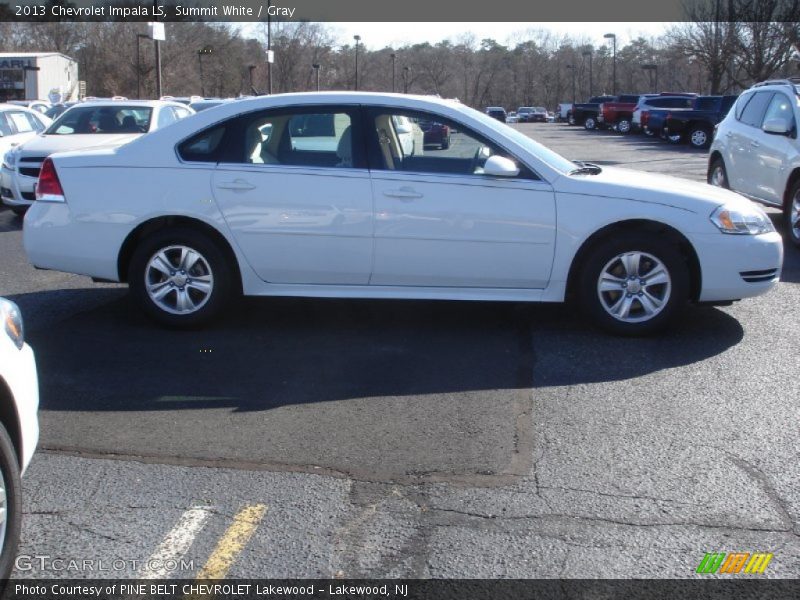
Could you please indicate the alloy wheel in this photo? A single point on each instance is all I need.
(794, 217)
(634, 287)
(699, 138)
(178, 280)
(718, 176)
(3, 510)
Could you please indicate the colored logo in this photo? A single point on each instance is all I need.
(734, 562)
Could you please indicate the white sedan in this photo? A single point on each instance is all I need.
(19, 426)
(84, 125)
(236, 200)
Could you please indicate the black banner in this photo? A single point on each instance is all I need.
(326, 589)
(449, 11)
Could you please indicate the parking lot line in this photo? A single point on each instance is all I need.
(232, 542)
(176, 543)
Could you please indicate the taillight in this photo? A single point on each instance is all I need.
(48, 188)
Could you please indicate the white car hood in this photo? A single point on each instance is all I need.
(641, 186)
(48, 144)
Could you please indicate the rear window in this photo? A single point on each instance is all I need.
(629, 99)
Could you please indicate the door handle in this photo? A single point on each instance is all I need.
(404, 193)
(237, 185)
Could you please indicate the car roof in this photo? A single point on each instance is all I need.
(7, 106)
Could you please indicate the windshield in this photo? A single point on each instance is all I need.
(102, 120)
(556, 161)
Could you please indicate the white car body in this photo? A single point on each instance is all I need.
(760, 162)
(371, 233)
(18, 179)
(19, 389)
(14, 130)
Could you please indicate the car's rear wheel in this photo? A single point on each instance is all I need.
(699, 137)
(180, 277)
(590, 123)
(634, 284)
(10, 505)
(717, 175)
(791, 213)
(624, 126)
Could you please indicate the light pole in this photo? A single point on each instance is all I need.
(357, 38)
(589, 54)
(139, 36)
(315, 66)
(252, 68)
(393, 55)
(572, 69)
(613, 36)
(652, 67)
(204, 51)
(406, 75)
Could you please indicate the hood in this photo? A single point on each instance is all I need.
(614, 182)
(48, 144)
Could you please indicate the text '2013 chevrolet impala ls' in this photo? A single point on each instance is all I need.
(321, 194)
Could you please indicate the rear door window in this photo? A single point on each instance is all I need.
(753, 112)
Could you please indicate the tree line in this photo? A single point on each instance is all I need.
(723, 47)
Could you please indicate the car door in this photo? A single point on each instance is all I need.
(773, 151)
(295, 191)
(440, 222)
(744, 141)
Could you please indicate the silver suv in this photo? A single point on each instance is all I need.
(756, 151)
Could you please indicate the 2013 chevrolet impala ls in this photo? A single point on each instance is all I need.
(337, 195)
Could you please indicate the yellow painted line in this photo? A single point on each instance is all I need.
(232, 542)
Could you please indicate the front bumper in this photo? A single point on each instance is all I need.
(19, 372)
(738, 266)
(15, 189)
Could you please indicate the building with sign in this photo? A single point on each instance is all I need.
(38, 76)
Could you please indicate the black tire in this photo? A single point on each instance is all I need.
(19, 210)
(675, 296)
(624, 126)
(446, 144)
(571, 119)
(590, 123)
(791, 212)
(699, 137)
(9, 465)
(717, 174)
(221, 271)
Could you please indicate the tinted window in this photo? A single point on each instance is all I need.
(780, 107)
(203, 147)
(321, 139)
(435, 146)
(102, 120)
(706, 103)
(753, 112)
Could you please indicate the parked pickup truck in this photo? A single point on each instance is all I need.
(696, 125)
(586, 114)
(618, 113)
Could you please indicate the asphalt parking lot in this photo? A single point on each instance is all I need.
(412, 439)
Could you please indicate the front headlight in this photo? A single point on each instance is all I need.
(12, 322)
(748, 221)
(10, 159)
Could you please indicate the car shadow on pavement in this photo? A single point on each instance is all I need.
(379, 390)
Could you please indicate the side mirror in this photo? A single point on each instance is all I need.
(500, 166)
(777, 126)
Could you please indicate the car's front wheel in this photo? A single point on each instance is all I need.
(791, 213)
(699, 137)
(634, 284)
(590, 123)
(624, 126)
(180, 277)
(10, 505)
